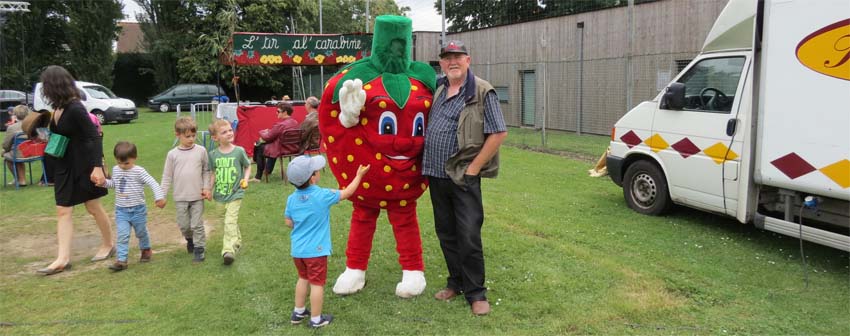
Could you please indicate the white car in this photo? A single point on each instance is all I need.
(98, 100)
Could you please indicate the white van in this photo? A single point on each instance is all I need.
(756, 127)
(98, 100)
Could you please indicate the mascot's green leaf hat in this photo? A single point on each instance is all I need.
(391, 60)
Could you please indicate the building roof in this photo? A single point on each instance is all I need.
(130, 39)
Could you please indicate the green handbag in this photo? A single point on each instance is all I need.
(56, 145)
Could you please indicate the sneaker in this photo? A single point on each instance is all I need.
(323, 321)
(228, 258)
(297, 318)
(118, 266)
(190, 245)
(199, 254)
(146, 255)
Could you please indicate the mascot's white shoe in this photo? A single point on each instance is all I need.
(412, 284)
(351, 281)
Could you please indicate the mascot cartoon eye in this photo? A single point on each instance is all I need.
(419, 124)
(387, 123)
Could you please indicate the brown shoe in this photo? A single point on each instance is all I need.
(118, 266)
(146, 255)
(480, 308)
(445, 294)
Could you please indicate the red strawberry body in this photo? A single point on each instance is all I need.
(388, 137)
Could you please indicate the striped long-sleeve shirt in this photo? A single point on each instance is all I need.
(129, 186)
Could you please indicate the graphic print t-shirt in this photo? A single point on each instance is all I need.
(229, 169)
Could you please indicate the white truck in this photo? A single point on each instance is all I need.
(97, 99)
(757, 126)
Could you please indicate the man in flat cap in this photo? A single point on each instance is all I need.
(465, 130)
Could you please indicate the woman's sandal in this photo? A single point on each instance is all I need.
(51, 271)
(107, 256)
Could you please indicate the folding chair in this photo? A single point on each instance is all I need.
(19, 138)
(291, 138)
(316, 142)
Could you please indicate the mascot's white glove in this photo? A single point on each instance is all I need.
(412, 284)
(351, 281)
(352, 98)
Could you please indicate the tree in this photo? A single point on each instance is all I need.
(77, 35)
(464, 15)
(92, 28)
(349, 16)
(200, 61)
(187, 37)
(30, 41)
(163, 24)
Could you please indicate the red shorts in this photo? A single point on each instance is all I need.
(315, 270)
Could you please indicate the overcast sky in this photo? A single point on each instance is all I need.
(422, 13)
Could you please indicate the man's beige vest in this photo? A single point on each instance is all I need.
(470, 136)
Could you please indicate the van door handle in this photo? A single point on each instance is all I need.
(731, 125)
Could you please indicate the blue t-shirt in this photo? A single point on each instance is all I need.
(310, 212)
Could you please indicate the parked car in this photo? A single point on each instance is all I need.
(8, 100)
(184, 95)
(98, 100)
(24, 98)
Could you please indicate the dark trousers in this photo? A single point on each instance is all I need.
(458, 216)
(264, 164)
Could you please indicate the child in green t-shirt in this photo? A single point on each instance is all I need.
(230, 168)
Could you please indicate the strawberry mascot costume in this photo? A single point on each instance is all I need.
(374, 111)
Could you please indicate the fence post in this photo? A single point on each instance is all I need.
(629, 52)
(580, 26)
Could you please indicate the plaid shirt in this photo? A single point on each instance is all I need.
(441, 134)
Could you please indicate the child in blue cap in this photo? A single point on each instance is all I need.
(308, 214)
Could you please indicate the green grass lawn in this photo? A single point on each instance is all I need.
(564, 256)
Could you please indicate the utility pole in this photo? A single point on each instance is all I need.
(367, 16)
(14, 6)
(321, 68)
(443, 31)
(629, 54)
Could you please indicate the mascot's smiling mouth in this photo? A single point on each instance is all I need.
(399, 163)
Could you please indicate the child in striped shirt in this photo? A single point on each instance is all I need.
(129, 182)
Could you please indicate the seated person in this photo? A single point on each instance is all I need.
(269, 149)
(18, 114)
(310, 125)
(31, 125)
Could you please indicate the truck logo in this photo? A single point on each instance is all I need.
(827, 51)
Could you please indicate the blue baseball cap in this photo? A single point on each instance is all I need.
(301, 168)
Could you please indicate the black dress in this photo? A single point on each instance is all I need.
(85, 151)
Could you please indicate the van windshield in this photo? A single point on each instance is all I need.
(100, 92)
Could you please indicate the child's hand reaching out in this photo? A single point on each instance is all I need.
(362, 170)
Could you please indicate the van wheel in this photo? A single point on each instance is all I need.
(100, 118)
(645, 188)
(164, 107)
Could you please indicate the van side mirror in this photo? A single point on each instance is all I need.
(674, 97)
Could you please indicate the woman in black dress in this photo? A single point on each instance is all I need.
(78, 171)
